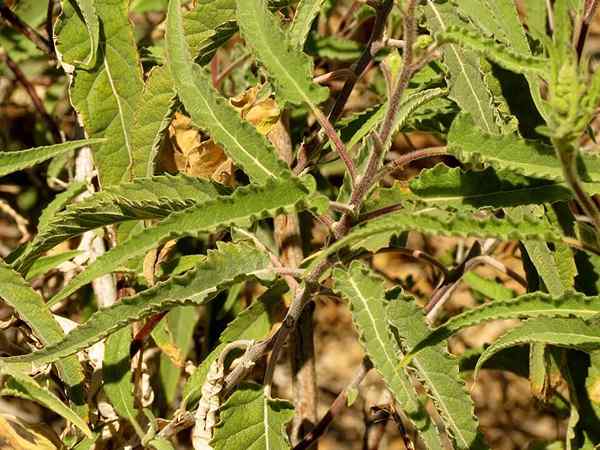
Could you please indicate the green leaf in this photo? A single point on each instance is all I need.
(290, 69)
(247, 204)
(116, 373)
(144, 198)
(44, 264)
(546, 266)
(31, 308)
(532, 305)
(366, 294)
(107, 95)
(466, 84)
(14, 161)
(440, 222)
(443, 186)
(229, 264)
(58, 203)
(249, 419)
(209, 111)
(570, 333)
(306, 12)
(487, 287)
(207, 26)
(439, 374)
(499, 53)
(178, 328)
(88, 11)
(151, 120)
(509, 152)
(23, 386)
(253, 323)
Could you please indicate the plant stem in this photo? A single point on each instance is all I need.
(15, 21)
(567, 154)
(35, 99)
(336, 407)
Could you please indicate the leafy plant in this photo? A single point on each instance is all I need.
(125, 308)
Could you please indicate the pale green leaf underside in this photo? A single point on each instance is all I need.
(229, 264)
(289, 68)
(107, 95)
(247, 204)
(143, 198)
(31, 308)
(571, 333)
(532, 305)
(306, 12)
(510, 152)
(466, 84)
(88, 11)
(21, 385)
(210, 111)
(499, 53)
(434, 221)
(22, 159)
(366, 294)
(439, 373)
(251, 421)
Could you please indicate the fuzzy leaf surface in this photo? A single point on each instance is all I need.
(366, 295)
(229, 264)
(250, 420)
(289, 68)
(18, 160)
(570, 333)
(306, 12)
(467, 86)
(32, 309)
(439, 373)
(23, 386)
(509, 152)
(534, 305)
(247, 204)
(143, 198)
(107, 95)
(212, 112)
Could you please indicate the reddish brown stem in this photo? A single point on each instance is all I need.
(35, 99)
(15, 21)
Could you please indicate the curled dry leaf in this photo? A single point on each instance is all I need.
(184, 151)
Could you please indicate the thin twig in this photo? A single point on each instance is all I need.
(227, 70)
(336, 407)
(49, 29)
(15, 21)
(35, 99)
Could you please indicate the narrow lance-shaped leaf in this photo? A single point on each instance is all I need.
(532, 305)
(439, 374)
(210, 111)
(144, 198)
(455, 187)
(14, 161)
(510, 152)
(32, 309)
(116, 373)
(570, 333)
(499, 53)
(23, 386)
(306, 12)
(249, 419)
(289, 68)
(151, 119)
(246, 205)
(366, 294)
(442, 223)
(466, 84)
(229, 264)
